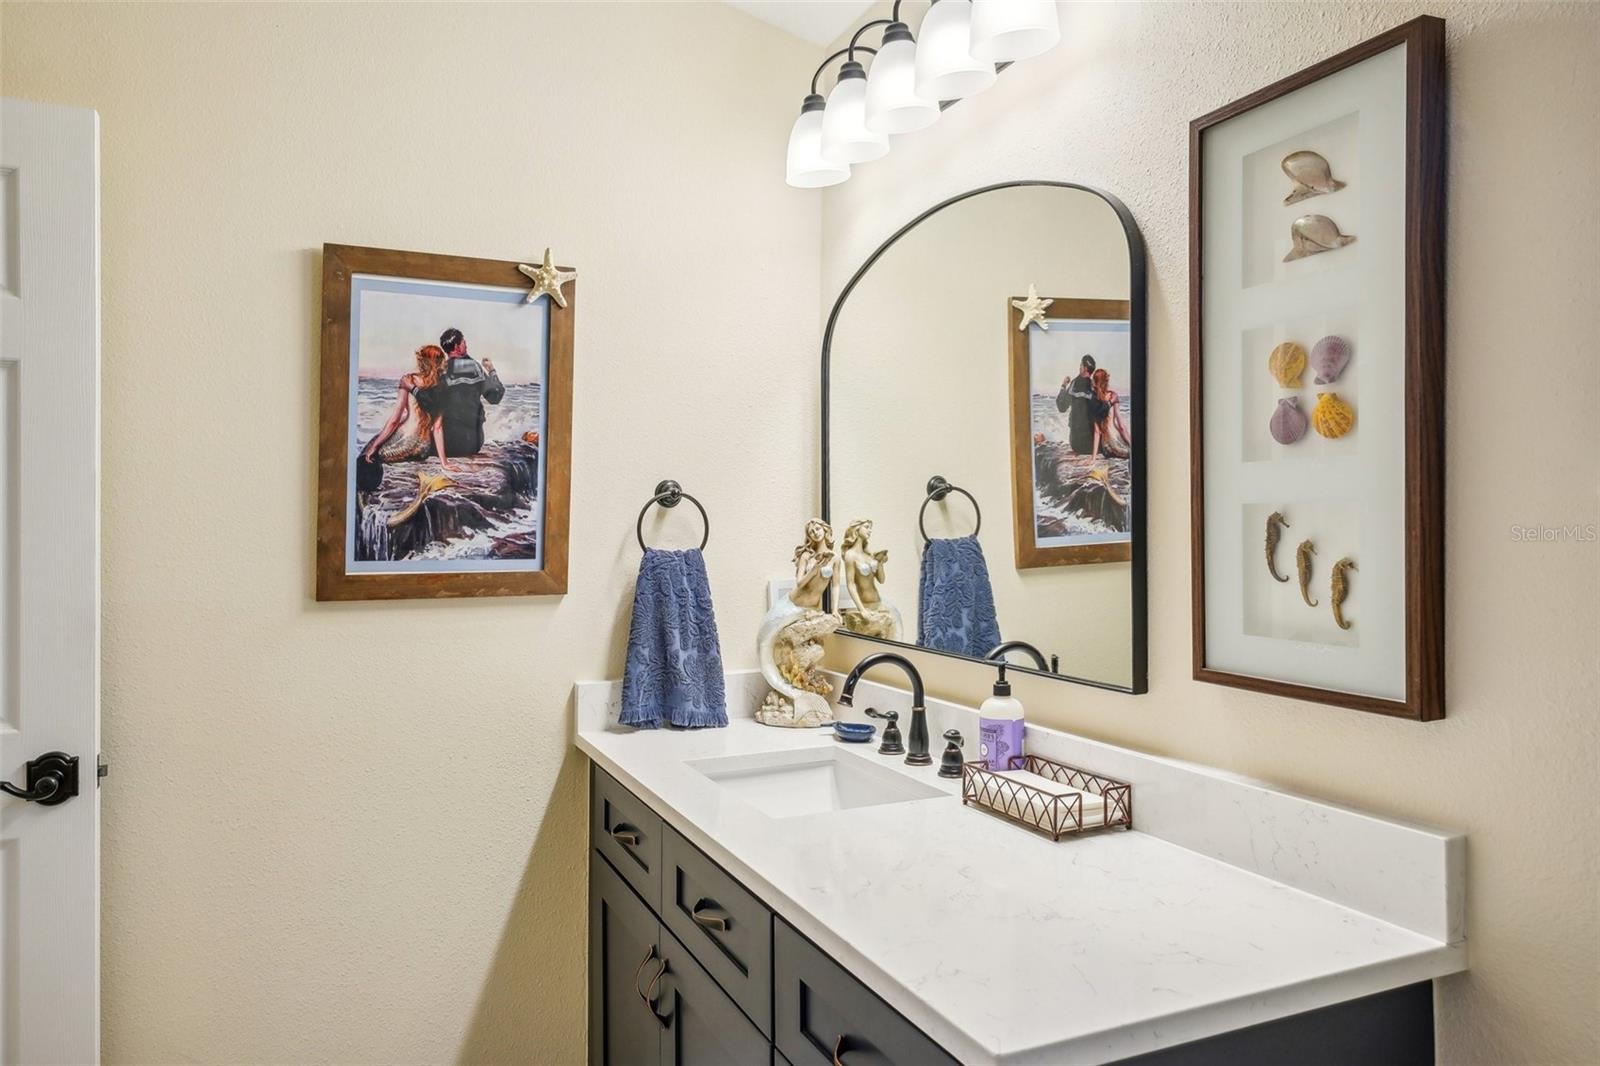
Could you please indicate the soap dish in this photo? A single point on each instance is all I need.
(854, 732)
(1048, 797)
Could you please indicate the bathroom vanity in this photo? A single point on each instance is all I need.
(773, 895)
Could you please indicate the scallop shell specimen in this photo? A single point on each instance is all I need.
(1329, 357)
(1310, 174)
(1332, 417)
(1287, 362)
(1314, 234)
(1288, 421)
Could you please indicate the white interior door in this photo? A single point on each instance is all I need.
(49, 581)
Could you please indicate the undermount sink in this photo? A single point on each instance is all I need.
(789, 784)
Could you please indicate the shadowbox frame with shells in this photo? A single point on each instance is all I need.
(1316, 274)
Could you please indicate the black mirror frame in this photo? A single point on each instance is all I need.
(1137, 356)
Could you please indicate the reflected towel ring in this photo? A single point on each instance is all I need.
(670, 494)
(938, 489)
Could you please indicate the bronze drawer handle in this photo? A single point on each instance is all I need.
(704, 918)
(625, 834)
(839, 1048)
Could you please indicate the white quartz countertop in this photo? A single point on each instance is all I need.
(1005, 946)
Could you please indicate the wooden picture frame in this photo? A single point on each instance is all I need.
(1030, 554)
(338, 578)
(1411, 357)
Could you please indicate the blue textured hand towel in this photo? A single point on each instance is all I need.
(674, 668)
(955, 608)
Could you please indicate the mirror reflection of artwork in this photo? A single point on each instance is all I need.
(1072, 442)
(921, 380)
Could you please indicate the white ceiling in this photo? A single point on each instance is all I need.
(817, 21)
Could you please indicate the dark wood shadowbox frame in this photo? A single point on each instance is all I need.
(339, 263)
(1029, 555)
(1424, 373)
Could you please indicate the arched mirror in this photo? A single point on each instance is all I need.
(983, 444)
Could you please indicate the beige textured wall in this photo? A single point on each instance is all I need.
(356, 833)
(921, 385)
(1514, 764)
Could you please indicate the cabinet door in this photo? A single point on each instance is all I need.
(624, 954)
(821, 1015)
(703, 1026)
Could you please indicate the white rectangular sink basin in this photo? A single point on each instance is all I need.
(789, 784)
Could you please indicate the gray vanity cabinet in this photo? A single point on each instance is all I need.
(727, 928)
(628, 833)
(624, 950)
(823, 1015)
(684, 971)
(703, 1027)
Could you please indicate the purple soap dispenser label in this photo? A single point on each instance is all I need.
(998, 740)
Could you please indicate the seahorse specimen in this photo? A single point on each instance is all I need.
(1302, 562)
(1275, 527)
(1339, 588)
(427, 484)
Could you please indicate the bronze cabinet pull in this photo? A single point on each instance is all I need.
(839, 1048)
(649, 954)
(651, 995)
(701, 913)
(625, 834)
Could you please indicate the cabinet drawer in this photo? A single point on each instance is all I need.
(726, 928)
(628, 833)
(821, 1014)
(702, 1026)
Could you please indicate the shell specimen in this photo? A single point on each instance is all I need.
(1339, 588)
(1287, 362)
(1329, 357)
(1332, 417)
(1288, 421)
(1275, 527)
(1314, 234)
(1302, 563)
(1310, 174)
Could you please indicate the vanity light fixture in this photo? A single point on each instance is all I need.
(893, 104)
(1004, 31)
(846, 138)
(806, 167)
(911, 80)
(945, 67)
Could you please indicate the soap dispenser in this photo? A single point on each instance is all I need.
(1000, 726)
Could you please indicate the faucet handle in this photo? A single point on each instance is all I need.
(892, 744)
(950, 761)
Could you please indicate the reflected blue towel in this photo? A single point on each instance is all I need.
(674, 667)
(955, 605)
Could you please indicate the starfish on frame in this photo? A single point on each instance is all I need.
(547, 280)
(1032, 309)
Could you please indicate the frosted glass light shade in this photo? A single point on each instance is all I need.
(845, 136)
(1004, 31)
(893, 105)
(806, 169)
(945, 67)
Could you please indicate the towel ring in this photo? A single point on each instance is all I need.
(670, 494)
(938, 489)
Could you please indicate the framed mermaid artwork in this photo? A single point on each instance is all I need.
(445, 430)
(1316, 378)
(1075, 395)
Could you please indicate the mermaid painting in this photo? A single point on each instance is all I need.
(411, 433)
(1111, 437)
